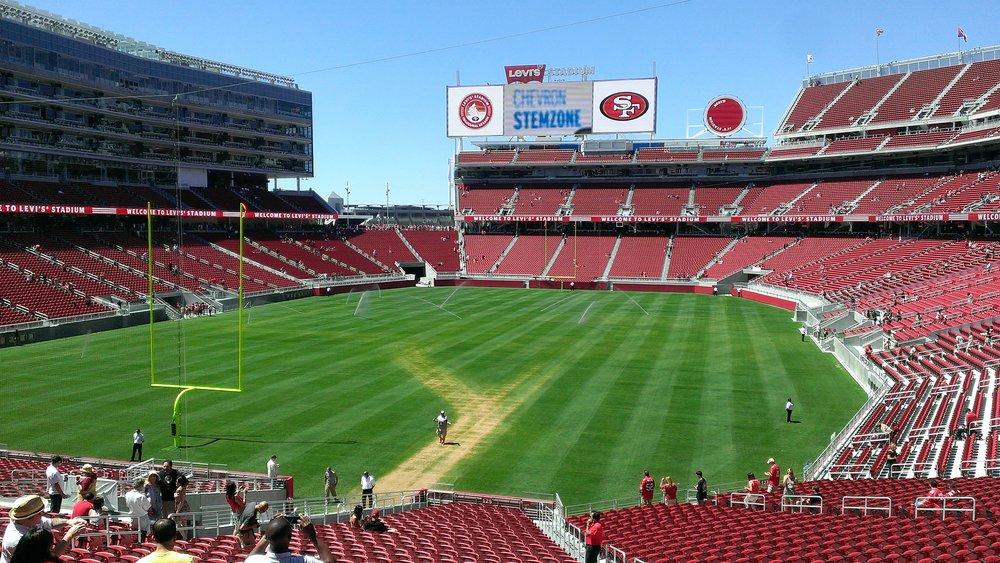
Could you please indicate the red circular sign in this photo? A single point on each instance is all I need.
(475, 110)
(624, 106)
(725, 115)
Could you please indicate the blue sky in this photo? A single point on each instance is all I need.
(384, 122)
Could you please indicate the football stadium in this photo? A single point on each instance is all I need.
(746, 344)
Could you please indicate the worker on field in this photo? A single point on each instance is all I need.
(442, 427)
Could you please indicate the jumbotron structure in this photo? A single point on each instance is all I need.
(871, 219)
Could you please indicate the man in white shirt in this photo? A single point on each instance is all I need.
(272, 470)
(137, 439)
(802, 331)
(54, 484)
(367, 486)
(273, 545)
(26, 514)
(138, 507)
(788, 410)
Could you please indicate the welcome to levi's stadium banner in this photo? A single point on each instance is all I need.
(523, 109)
(57, 209)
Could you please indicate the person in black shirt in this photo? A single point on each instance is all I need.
(701, 494)
(168, 485)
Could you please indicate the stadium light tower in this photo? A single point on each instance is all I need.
(387, 203)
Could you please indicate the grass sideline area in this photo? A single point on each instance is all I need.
(556, 391)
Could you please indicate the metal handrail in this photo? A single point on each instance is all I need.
(801, 503)
(866, 505)
(749, 500)
(919, 505)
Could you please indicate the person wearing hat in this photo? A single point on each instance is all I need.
(87, 482)
(330, 480)
(773, 475)
(442, 426)
(273, 545)
(28, 513)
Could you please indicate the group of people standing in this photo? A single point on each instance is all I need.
(159, 495)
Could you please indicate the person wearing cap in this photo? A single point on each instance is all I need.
(26, 515)
(248, 524)
(367, 489)
(54, 483)
(273, 546)
(773, 475)
(87, 482)
(330, 480)
(165, 532)
(442, 426)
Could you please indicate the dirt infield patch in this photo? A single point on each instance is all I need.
(481, 413)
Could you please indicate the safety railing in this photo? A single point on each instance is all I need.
(748, 500)
(612, 554)
(866, 505)
(220, 519)
(946, 506)
(813, 470)
(802, 503)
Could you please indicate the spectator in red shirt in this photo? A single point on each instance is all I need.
(646, 488)
(970, 420)
(773, 475)
(87, 482)
(933, 494)
(669, 489)
(753, 487)
(594, 537)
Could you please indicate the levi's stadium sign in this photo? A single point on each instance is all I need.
(524, 74)
(725, 115)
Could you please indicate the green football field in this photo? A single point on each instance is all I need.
(548, 391)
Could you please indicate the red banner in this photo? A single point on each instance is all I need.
(22, 208)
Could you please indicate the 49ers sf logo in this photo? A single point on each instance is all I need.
(475, 110)
(624, 106)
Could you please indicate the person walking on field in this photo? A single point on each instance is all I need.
(331, 480)
(137, 439)
(802, 331)
(788, 410)
(646, 488)
(442, 427)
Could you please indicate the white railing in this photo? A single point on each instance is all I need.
(802, 503)
(749, 500)
(958, 506)
(218, 519)
(865, 505)
(22, 326)
(813, 470)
